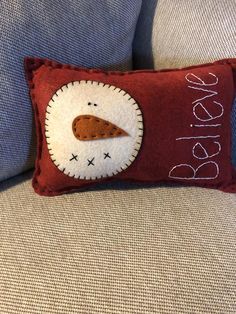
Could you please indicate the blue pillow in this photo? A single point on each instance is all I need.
(96, 34)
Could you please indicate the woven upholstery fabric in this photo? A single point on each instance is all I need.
(117, 249)
(173, 34)
(86, 33)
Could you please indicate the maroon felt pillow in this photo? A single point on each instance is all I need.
(143, 126)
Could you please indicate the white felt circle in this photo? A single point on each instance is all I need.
(88, 159)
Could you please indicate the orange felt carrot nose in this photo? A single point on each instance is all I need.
(88, 127)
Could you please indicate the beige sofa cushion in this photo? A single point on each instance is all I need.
(117, 250)
(179, 33)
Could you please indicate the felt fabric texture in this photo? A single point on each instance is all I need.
(103, 109)
(233, 122)
(89, 128)
(186, 118)
(86, 33)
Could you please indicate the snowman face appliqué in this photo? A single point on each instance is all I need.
(93, 130)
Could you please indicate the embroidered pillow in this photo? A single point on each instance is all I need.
(143, 126)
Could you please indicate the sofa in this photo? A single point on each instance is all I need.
(121, 247)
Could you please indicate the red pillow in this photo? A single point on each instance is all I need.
(142, 126)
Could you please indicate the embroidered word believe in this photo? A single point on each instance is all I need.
(207, 111)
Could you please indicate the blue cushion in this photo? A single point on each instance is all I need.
(86, 33)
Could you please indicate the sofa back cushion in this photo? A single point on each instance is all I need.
(181, 33)
(86, 33)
